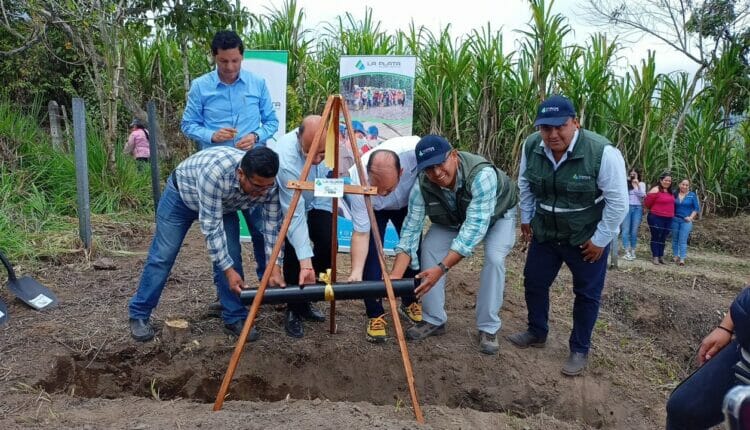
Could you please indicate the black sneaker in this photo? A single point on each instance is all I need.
(293, 324)
(423, 330)
(141, 329)
(527, 339)
(575, 364)
(235, 329)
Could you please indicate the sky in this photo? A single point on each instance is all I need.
(465, 15)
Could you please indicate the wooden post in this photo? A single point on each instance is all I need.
(82, 172)
(154, 155)
(334, 213)
(53, 110)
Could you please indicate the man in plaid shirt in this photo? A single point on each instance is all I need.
(211, 186)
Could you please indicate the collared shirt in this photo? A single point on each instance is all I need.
(399, 197)
(208, 184)
(244, 104)
(291, 162)
(685, 207)
(610, 180)
(474, 227)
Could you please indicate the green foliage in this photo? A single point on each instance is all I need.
(467, 88)
(38, 187)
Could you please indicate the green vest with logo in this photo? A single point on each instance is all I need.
(438, 208)
(569, 203)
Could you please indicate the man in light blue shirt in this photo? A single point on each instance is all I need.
(308, 240)
(230, 106)
(573, 198)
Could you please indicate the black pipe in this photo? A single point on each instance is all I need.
(344, 291)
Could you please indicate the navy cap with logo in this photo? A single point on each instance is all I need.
(431, 150)
(555, 111)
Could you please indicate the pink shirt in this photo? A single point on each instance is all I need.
(137, 144)
(661, 204)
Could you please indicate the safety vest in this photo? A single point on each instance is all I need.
(440, 211)
(569, 203)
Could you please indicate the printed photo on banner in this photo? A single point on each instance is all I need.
(379, 91)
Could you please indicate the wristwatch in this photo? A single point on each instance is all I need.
(443, 267)
(257, 138)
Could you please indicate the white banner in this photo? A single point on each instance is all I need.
(271, 66)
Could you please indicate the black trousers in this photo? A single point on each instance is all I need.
(319, 226)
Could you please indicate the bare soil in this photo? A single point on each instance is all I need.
(76, 366)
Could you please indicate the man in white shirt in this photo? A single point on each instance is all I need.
(392, 168)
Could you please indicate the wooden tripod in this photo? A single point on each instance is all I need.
(334, 106)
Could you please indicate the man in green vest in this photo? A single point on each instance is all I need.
(573, 198)
(468, 200)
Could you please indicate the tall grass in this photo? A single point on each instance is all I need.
(38, 187)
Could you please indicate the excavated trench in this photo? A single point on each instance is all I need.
(167, 373)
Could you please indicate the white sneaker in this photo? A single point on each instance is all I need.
(630, 256)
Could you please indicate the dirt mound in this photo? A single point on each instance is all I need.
(728, 235)
(86, 371)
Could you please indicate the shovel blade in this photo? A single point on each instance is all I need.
(3, 313)
(32, 293)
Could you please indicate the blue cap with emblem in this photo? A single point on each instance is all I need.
(431, 150)
(555, 111)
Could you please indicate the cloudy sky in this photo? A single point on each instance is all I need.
(465, 15)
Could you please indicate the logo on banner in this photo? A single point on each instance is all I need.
(381, 64)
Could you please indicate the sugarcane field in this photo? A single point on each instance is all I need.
(291, 214)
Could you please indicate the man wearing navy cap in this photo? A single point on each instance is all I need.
(573, 198)
(468, 200)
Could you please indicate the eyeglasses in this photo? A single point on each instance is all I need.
(256, 187)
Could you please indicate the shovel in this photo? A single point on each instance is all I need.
(3, 313)
(28, 290)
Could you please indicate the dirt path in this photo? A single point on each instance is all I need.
(76, 366)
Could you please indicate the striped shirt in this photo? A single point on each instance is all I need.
(208, 184)
(474, 227)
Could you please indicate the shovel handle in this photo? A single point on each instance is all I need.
(8, 267)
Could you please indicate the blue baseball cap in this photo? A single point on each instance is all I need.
(358, 127)
(373, 130)
(431, 150)
(342, 128)
(555, 111)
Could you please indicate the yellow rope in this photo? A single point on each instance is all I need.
(326, 277)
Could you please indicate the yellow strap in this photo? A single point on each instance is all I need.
(326, 277)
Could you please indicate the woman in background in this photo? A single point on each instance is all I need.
(660, 203)
(686, 208)
(629, 228)
(137, 144)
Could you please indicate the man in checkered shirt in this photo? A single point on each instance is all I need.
(211, 186)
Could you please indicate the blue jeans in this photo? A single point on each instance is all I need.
(630, 226)
(173, 220)
(680, 232)
(696, 402)
(660, 227)
(543, 262)
(372, 272)
(254, 221)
